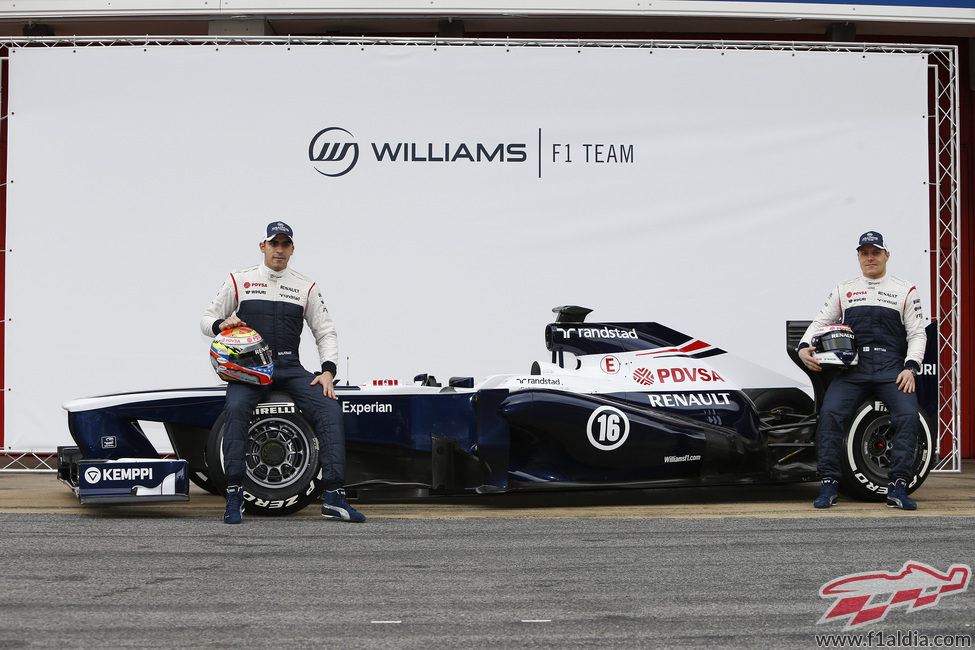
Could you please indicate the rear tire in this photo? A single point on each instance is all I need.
(867, 458)
(282, 470)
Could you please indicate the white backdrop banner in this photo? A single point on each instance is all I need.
(444, 198)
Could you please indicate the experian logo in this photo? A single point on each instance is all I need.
(333, 151)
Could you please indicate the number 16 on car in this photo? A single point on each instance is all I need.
(608, 428)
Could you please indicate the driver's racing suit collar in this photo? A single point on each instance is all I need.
(271, 273)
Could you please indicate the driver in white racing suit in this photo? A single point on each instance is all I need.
(276, 301)
(887, 320)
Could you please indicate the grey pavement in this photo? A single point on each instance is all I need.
(149, 581)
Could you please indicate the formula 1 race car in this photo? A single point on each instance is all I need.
(617, 405)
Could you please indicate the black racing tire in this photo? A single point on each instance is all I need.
(283, 472)
(867, 454)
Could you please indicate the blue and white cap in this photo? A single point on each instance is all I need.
(279, 228)
(869, 238)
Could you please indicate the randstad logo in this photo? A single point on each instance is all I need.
(333, 151)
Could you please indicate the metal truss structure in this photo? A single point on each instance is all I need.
(944, 174)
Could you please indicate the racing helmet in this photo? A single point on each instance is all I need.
(240, 354)
(835, 346)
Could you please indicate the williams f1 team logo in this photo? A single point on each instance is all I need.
(333, 151)
(864, 598)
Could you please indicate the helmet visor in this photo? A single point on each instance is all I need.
(836, 342)
(260, 356)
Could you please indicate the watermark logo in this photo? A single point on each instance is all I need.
(333, 151)
(864, 598)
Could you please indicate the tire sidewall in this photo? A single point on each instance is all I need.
(860, 479)
(262, 499)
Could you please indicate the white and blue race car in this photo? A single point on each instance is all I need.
(615, 405)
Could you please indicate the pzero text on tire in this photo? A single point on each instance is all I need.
(868, 448)
(282, 470)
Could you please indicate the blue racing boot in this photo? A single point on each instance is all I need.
(827, 493)
(336, 507)
(897, 496)
(235, 505)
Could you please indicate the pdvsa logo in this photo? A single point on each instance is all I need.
(333, 151)
(679, 375)
(643, 376)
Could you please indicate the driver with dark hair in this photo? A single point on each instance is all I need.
(886, 317)
(276, 302)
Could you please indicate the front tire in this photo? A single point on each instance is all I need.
(282, 472)
(867, 458)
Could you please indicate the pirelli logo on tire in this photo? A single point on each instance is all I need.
(276, 408)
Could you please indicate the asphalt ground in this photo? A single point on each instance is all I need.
(715, 567)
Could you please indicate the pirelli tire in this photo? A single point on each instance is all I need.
(282, 470)
(867, 454)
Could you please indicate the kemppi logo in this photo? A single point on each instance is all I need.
(94, 475)
(333, 151)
